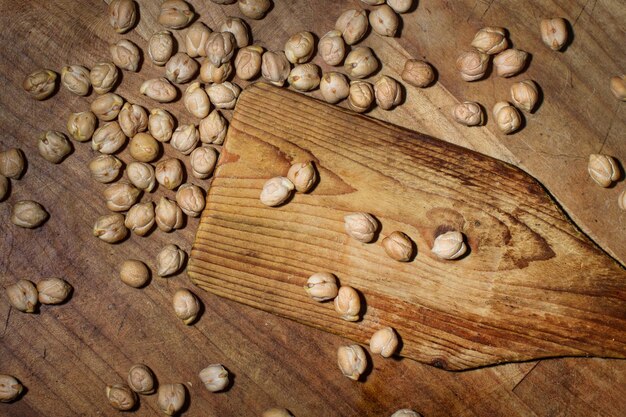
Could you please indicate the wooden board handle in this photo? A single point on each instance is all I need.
(532, 287)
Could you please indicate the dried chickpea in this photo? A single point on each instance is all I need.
(132, 119)
(168, 215)
(190, 199)
(141, 175)
(40, 84)
(105, 168)
(107, 106)
(12, 163)
(135, 274)
(103, 77)
(76, 79)
(186, 306)
(144, 148)
(169, 173)
(28, 214)
(122, 15)
(82, 125)
(170, 260)
(161, 125)
(125, 55)
(108, 138)
(140, 218)
(213, 128)
(175, 14)
(254, 9)
(239, 29)
(23, 296)
(203, 161)
(110, 228)
(161, 47)
(53, 146)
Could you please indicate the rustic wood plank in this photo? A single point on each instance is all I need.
(276, 361)
(533, 286)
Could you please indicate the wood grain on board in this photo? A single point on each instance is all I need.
(532, 285)
(67, 354)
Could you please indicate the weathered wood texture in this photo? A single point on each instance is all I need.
(66, 354)
(532, 285)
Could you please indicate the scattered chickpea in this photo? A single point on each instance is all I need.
(348, 303)
(388, 92)
(185, 139)
(490, 40)
(303, 176)
(82, 125)
(276, 191)
(12, 163)
(110, 228)
(322, 286)
(170, 260)
(352, 361)
(332, 48)
(361, 96)
(135, 274)
(449, 245)
(122, 15)
(141, 379)
(107, 106)
(40, 84)
(196, 38)
(169, 173)
(524, 95)
(299, 48)
(161, 47)
(248, 62)
(23, 296)
(159, 89)
(105, 168)
(400, 6)
(53, 291)
(144, 148)
(472, 65)
(275, 67)
(276, 412)
(175, 14)
(384, 342)
(361, 226)
(603, 169)
(181, 68)
(618, 87)
(224, 95)
(202, 161)
(510, 62)
(468, 113)
(239, 29)
(132, 119)
(213, 128)
(168, 215)
(507, 118)
(398, 246)
(161, 125)
(53, 146)
(418, 73)
(186, 306)
(108, 138)
(334, 87)
(360, 62)
(125, 55)
(171, 398)
(76, 79)
(304, 77)
(554, 33)
(103, 77)
(254, 9)
(405, 412)
(190, 199)
(121, 397)
(220, 47)
(10, 388)
(28, 214)
(353, 25)
(140, 218)
(384, 21)
(209, 73)
(196, 101)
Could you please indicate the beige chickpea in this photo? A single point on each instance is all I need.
(169, 173)
(203, 161)
(299, 47)
(332, 48)
(334, 87)
(603, 169)
(196, 38)
(418, 73)
(275, 67)
(159, 89)
(141, 379)
(449, 245)
(12, 163)
(352, 361)
(5, 184)
(304, 77)
(322, 286)
(141, 175)
(161, 125)
(398, 246)
(472, 65)
(384, 342)
(373, 2)
(140, 218)
(276, 412)
(135, 274)
(361, 96)
(388, 92)
(348, 303)
(181, 68)
(618, 87)
(53, 146)
(122, 15)
(121, 397)
(303, 176)
(353, 25)
(276, 191)
(468, 113)
(28, 214)
(40, 84)
(507, 118)
(161, 47)
(490, 40)
(103, 77)
(186, 305)
(53, 291)
(400, 6)
(125, 55)
(224, 95)
(406, 412)
(171, 398)
(248, 62)
(175, 14)
(254, 9)
(220, 47)
(214, 377)
(554, 33)
(108, 138)
(170, 260)
(190, 199)
(144, 148)
(23, 296)
(76, 79)
(82, 125)
(110, 228)
(168, 215)
(185, 139)
(121, 196)
(384, 21)
(213, 128)
(10, 388)
(105, 168)
(361, 226)
(360, 62)
(196, 101)
(524, 95)
(621, 200)
(209, 73)
(132, 119)
(107, 106)
(239, 29)
(510, 62)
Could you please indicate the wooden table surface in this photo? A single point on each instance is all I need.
(65, 355)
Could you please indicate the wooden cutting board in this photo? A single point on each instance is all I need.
(533, 286)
